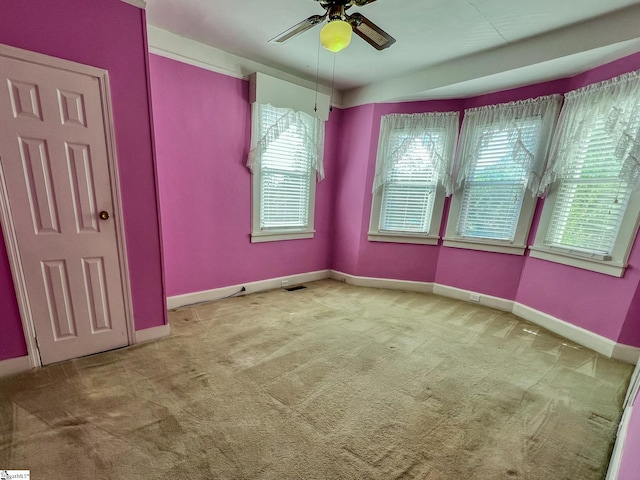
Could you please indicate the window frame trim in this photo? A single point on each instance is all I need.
(527, 211)
(259, 235)
(619, 258)
(516, 247)
(432, 236)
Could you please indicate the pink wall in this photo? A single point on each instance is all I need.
(202, 122)
(197, 146)
(12, 342)
(630, 329)
(495, 274)
(351, 186)
(108, 34)
(490, 273)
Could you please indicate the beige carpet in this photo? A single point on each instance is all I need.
(330, 382)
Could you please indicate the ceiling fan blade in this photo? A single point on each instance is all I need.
(298, 28)
(370, 32)
(360, 3)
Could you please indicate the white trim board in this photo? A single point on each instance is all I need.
(250, 287)
(167, 44)
(586, 338)
(618, 449)
(12, 366)
(465, 295)
(153, 333)
(391, 284)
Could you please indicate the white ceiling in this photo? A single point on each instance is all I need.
(444, 48)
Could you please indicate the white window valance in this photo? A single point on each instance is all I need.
(437, 132)
(611, 108)
(511, 121)
(269, 124)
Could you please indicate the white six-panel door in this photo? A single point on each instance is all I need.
(53, 153)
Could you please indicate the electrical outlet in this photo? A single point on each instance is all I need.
(284, 283)
(474, 297)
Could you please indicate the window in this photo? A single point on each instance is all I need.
(414, 154)
(590, 215)
(502, 150)
(285, 157)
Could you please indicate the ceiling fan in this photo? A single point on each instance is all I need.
(335, 11)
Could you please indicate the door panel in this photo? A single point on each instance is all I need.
(54, 156)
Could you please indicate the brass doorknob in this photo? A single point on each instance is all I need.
(104, 215)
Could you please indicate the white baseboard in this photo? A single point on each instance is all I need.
(251, 287)
(600, 344)
(153, 333)
(14, 365)
(465, 295)
(584, 337)
(391, 284)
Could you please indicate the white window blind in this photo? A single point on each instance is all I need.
(594, 162)
(408, 194)
(496, 184)
(414, 155)
(285, 173)
(501, 157)
(286, 153)
(592, 198)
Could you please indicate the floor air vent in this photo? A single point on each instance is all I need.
(293, 289)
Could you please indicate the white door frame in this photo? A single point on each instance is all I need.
(8, 228)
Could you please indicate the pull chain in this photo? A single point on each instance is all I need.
(333, 82)
(315, 107)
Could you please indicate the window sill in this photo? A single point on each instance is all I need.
(261, 237)
(485, 245)
(403, 238)
(608, 267)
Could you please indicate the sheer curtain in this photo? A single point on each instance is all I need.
(269, 123)
(398, 132)
(615, 102)
(508, 119)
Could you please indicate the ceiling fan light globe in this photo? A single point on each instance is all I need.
(336, 35)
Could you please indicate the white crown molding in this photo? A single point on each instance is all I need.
(14, 365)
(142, 4)
(182, 49)
(618, 28)
(153, 333)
